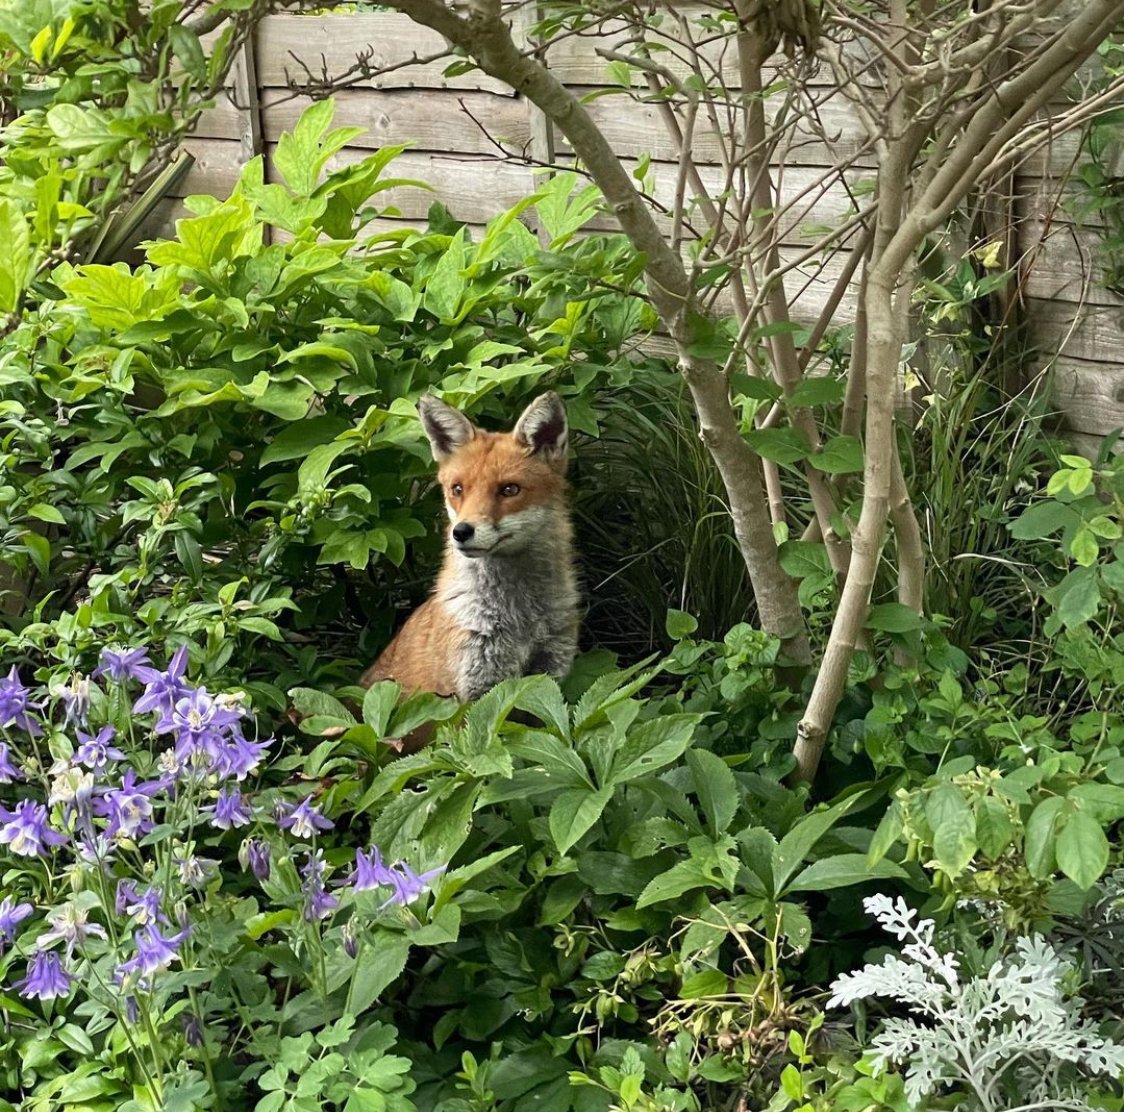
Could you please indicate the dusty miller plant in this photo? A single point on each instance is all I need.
(1014, 1030)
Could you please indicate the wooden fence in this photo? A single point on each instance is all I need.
(458, 125)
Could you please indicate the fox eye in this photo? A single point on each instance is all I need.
(456, 490)
(509, 490)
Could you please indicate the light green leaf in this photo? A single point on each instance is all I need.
(653, 744)
(574, 812)
(15, 255)
(842, 870)
(1082, 849)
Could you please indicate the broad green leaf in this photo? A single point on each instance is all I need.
(840, 455)
(15, 255)
(1082, 849)
(574, 812)
(445, 287)
(206, 244)
(553, 756)
(379, 704)
(1043, 520)
(380, 963)
(715, 788)
(779, 445)
(89, 129)
(954, 828)
(843, 870)
(1076, 597)
(893, 617)
(680, 624)
(653, 744)
(1040, 842)
(296, 441)
(802, 838)
(542, 697)
(994, 829)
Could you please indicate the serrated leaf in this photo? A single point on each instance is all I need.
(653, 744)
(574, 812)
(715, 788)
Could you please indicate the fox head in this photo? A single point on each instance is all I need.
(502, 490)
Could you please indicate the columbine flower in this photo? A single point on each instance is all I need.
(11, 915)
(370, 872)
(319, 903)
(408, 885)
(235, 758)
(69, 924)
(154, 952)
(349, 934)
(230, 810)
(129, 807)
(95, 752)
(254, 855)
(73, 788)
(8, 771)
(14, 705)
(199, 723)
(194, 871)
(121, 664)
(76, 698)
(142, 906)
(25, 830)
(304, 820)
(45, 978)
(162, 689)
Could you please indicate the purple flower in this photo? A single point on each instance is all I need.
(25, 830)
(230, 810)
(142, 906)
(8, 771)
(11, 915)
(95, 752)
(408, 885)
(14, 705)
(254, 855)
(235, 758)
(69, 924)
(121, 664)
(45, 978)
(162, 689)
(370, 872)
(304, 820)
(132, 1009)
(129, 807)
(319, 903)
(154, 952)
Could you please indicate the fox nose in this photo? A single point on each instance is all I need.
(463, 532)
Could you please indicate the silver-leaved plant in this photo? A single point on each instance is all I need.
(1014, 1030)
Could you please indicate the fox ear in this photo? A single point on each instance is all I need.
(447, 428)
(542, 428)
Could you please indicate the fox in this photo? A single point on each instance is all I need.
(506, 600)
